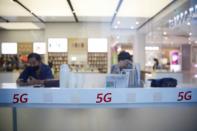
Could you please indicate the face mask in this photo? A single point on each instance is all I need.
(35, 68)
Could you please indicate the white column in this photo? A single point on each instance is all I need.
(139, 50)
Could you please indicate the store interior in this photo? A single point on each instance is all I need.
(89, 39)
(88, 35)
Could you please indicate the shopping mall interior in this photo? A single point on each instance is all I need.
(88, 35)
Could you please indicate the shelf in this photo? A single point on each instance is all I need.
(57, 59)
(98, 60)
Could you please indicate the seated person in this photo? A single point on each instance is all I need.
(36, 72)
(124, 62)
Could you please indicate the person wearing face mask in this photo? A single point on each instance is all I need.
(36, 73)
(124, 62)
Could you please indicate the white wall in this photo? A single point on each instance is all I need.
(22, 36)
(80, 30)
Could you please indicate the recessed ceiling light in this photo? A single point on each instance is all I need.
(188, 23)
(190, 33)
(196, 42)
(177, 17)
(196, 6)
(117, 37)
(131, 27)
(189, 39)
(181, 14)
(115, 26)
(166, 38)
(137, 23)
(118, 22)
(185, 12)
(164, 33)
(191, 9)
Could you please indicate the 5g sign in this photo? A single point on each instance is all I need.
(184, 96)
(20, 98)
(103, 98)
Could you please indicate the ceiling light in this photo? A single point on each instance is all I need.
(118, 22)
(196, 6)
(137, 23)
(164, 33)
(191, 9)
(132, 27)
(195, 75)
(20, 25)
(115, 26)
(195, 42)
(177, 17)
(117, 37)
(181, 15)
(190, 33)
(188, 23)
(166, 38)
(185, 12)
(189, 39)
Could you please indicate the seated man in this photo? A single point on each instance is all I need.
(124, 62)
(36, 72)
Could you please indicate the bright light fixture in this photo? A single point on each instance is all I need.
(190, 33)
(164, 33)
(115, 26)
(152, 48)
(9, 48)
(57, 45)
(132, 27)
(97, 45)
(117, 37)
(137, 23)
(19, 26)
(118, 22)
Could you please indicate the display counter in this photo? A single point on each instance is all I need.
(94, 109)
(11, 95)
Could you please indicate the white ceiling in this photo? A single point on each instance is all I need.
(95, 8)
(86, 10)
(138, 11)
(48, 7)
(10, 8)
(141, 8)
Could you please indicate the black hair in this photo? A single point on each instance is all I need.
(34, 55)
(123, 55)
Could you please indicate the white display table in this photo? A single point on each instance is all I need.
(11, 95)
(112, 108)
